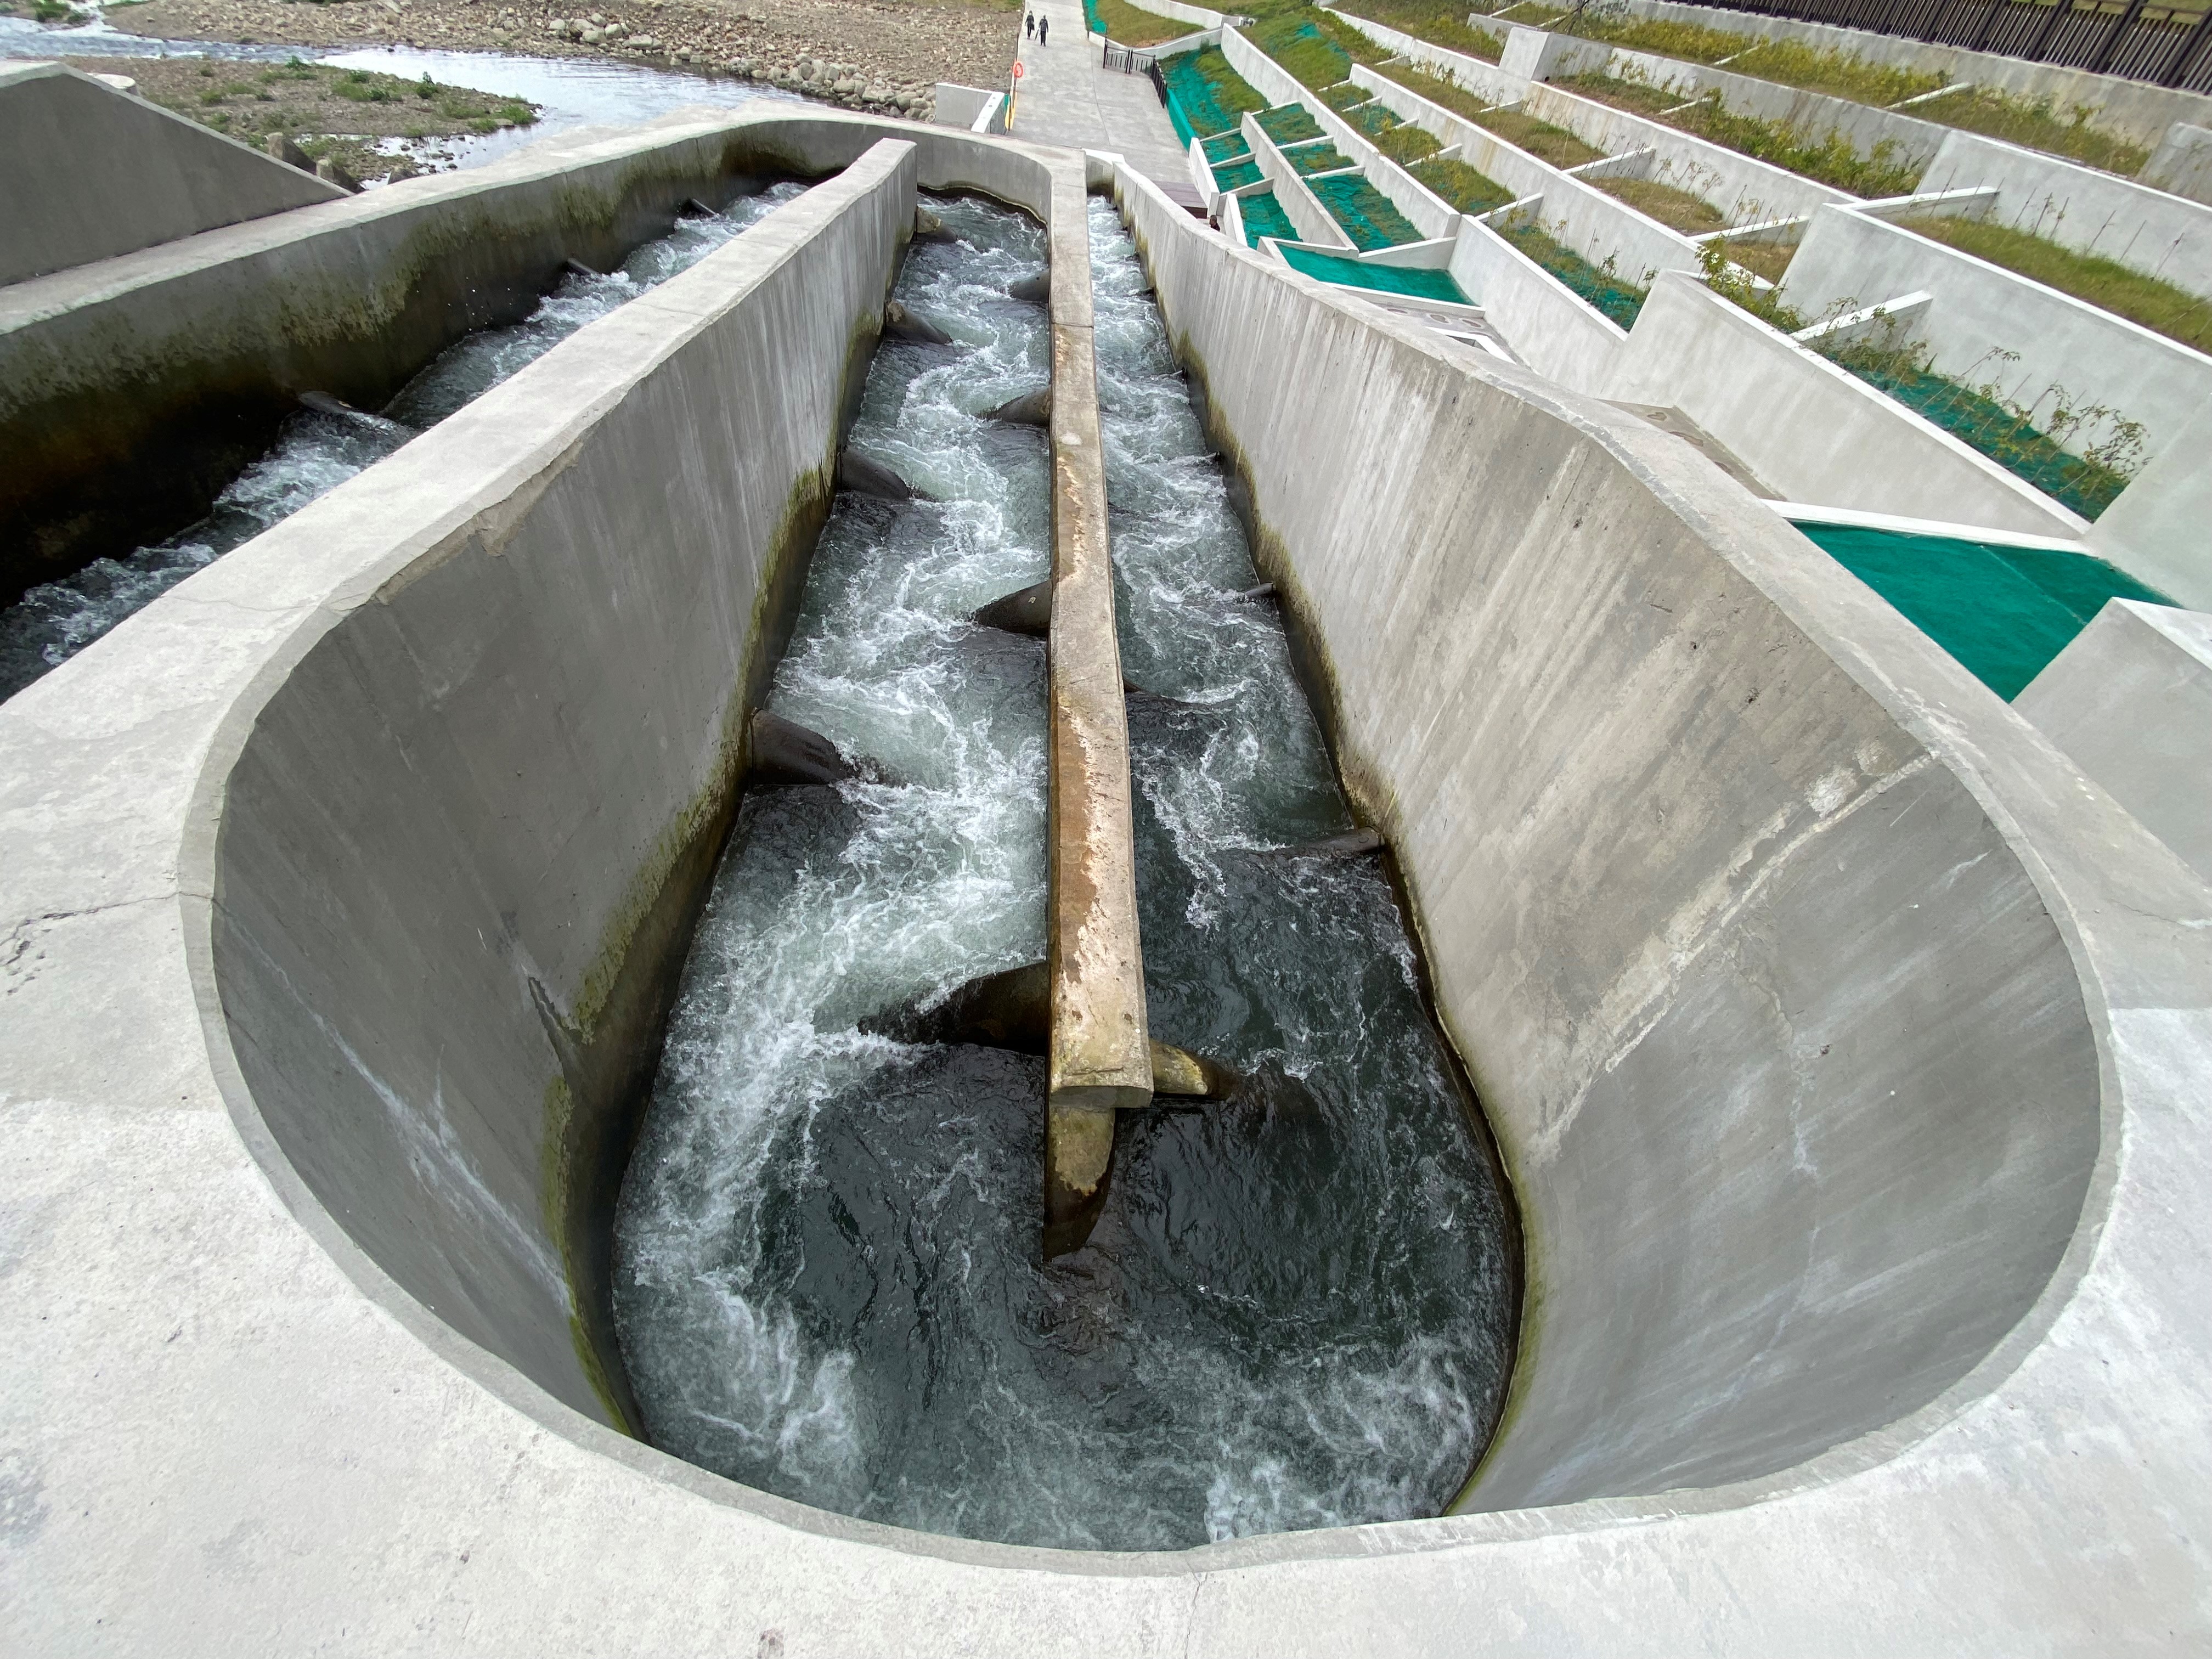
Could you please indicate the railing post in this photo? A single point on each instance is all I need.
(2110, 49)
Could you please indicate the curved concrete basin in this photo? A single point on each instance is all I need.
(1813, 997)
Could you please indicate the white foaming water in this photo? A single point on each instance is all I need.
(1294, 1310)
(316, 451)
(833, 904)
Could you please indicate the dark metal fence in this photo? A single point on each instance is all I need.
(1127, 59)
(2167, 45)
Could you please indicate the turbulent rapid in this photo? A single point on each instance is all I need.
(318, 450)
(1296, 1309)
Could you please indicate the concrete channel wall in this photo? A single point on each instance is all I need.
(1508, 645)
(503, 757)
(92, 172)
(132, 390)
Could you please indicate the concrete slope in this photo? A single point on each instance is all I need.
(93, 173)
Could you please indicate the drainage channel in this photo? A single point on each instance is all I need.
(325, 443)
(1295, 1306)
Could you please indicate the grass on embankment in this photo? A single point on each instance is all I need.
(1442, 22)
(1539, 139)
(1596, 285)
(2158, 305)
(1466, 188)
(1210, 94)
(1677, 210)
(2032, 124)
(1133, 26)
(1830, 160)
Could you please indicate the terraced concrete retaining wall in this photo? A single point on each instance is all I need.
(1850, 259)
(2082, 209)
(92, 172)
(2134, 109)
(460, 843)
(1809, 430)
(1686, 885)
(1595, 225)
(1554, 329)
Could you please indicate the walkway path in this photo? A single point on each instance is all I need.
(1067, 98)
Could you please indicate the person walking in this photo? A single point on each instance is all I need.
(1043, 23)
(1028, 26)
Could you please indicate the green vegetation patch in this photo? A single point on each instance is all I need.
(1234, 175)
(2028, 443)
(1383, 279)
(1345, 96)
(1290, 123)
(1830, 160)
(1205, 95)
(1313, 48)
(1985, 418)
(2003, 612)
(1678, 209)
(1309, 159)
(1366, 214)
(1789, 63)
(1444, 22)
(1226, 146)
(1539, 139)
(2161, 307)
(1465, 188)
(2036, 126)
(1133, 26)
(1596, 284)
(1264, 217)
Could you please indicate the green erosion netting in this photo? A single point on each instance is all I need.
(1264, 217)
(2003, 612)
(1616, 299)
(1234, 175)
(1225, 147)
(1095, 23)
(1346, 96)
(1465, 188)
(1365, 212)
(1289, 124)
(1372, 119)
(1383, 279)
(2004, 436)
(1205, 96)
(1309, 158)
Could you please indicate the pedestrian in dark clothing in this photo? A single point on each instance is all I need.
(1029, 26)
(1043, 23)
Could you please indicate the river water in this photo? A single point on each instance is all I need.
(1296, 1309)
(316, 451)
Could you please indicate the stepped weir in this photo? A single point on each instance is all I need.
(368, 893)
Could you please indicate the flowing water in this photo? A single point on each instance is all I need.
(1296, 1309)
(317, 450)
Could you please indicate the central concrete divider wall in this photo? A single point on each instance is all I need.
(1101, 1054)
(460, 846)
(1786, 1056)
